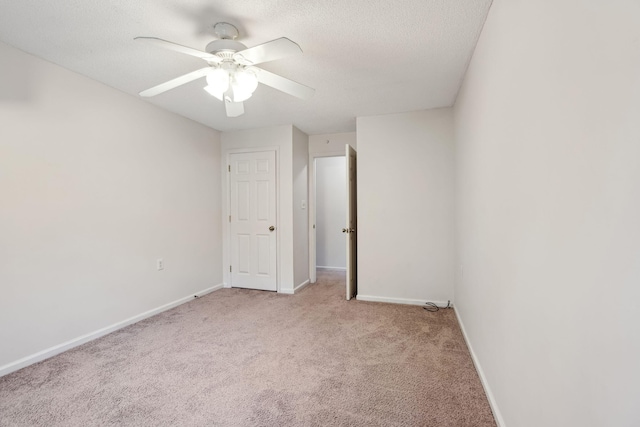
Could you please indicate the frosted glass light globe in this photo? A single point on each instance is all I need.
(244, 83)
(218, 81)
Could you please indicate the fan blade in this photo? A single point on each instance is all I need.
(179, 48)
(269, 51)
(284, 85)
(234, 109)
(178, 81)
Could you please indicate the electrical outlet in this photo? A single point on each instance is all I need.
(160, 264)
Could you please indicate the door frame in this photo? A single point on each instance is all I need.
(226, 209)
(312, 208)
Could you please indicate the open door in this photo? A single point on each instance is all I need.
(350, 230)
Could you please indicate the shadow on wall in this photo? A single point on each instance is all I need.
(16, 82)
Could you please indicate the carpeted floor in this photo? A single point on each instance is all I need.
(250, 358)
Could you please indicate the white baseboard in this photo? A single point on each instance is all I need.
(301, 286)
(322, 267)
(497, 415)
(57, 349)
(298, 288)
(399, 300)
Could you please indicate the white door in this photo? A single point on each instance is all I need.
(252, 189)
(352, 224)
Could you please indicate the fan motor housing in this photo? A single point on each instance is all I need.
(224, 45)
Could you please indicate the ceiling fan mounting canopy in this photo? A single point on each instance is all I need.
(225, 31)
(227, 34)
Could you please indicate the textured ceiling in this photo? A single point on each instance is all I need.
(363, 57)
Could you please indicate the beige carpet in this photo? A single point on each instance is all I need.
(251, 358)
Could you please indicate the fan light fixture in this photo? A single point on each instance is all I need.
(243, 83)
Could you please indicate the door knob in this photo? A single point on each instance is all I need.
(272, 228)
(344, 230)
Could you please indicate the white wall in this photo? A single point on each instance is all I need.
(331, 142)
(548, 199)
(280, 138)
(95, 185)
(300, 208)
(405, 206)
(331, 211)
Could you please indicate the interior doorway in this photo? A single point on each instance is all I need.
(313, 247)
(331, 210)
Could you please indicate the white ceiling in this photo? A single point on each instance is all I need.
(363, 57)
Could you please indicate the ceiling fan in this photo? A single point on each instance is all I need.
(232, 75)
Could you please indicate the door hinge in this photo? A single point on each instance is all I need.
(229, 168)
(230, 270)
(229, 218)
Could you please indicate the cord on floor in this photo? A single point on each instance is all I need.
(433, 307)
